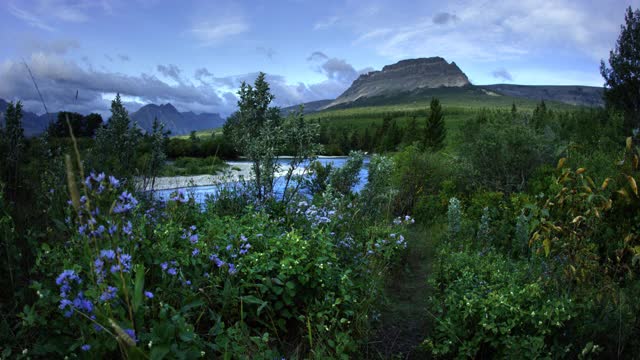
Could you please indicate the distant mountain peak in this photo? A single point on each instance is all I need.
(175, 121)
(403, 76)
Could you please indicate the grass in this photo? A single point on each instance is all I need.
(201, 134)
(404, 323)
(184, 166)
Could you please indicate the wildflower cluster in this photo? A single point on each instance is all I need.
(66, 281)
(111, 261)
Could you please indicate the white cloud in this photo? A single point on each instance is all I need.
(326, 23)
(492, 30)
(211, 33)
(29, 18)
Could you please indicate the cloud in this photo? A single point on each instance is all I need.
(124, 57)
(209, 33)
(266, 51)
(171, 71)
(326, 23)
(30, 45)
(59, 79)
(444, 18)
(493, 30)
(29, 18)
(108, 57)
(317, 56)
(339, 70)
(503, 74)
(335, 69)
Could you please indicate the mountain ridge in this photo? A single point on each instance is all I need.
(404, 75)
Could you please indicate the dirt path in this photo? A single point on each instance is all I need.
(404, 321)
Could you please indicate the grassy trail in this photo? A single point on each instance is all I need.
(404, 320)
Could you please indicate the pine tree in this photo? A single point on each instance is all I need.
(116, 143)
(411, 133)
(622, 78)
(13, 139)
(435, 131)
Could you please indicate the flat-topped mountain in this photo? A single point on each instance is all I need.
(177, 122)
(404, 76)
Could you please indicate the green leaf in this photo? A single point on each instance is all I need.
(138, 288)
(159, 351)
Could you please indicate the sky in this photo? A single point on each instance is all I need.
(195, 54)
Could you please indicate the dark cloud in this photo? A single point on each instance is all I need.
(206, 77)
(503, 74)
(59, 79)
(317, 56)
(124, 57)
(444, 18)
(171, 71)
(268, 52)
(339, 70)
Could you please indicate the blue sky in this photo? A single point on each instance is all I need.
(194, 54)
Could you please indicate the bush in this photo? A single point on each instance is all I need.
(171, 281)
(487, 305)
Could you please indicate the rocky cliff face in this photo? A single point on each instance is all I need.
(404, 76)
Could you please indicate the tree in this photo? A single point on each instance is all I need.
(116, 143)
(13, 141)
(435, 131)
(158, 154)
(622, 78)
(411, 134)
(540, 115)
(255, 130)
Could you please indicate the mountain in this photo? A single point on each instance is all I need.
(309, 107)
(404, 76)
(179, 123)
(568, 94)
(32, 123)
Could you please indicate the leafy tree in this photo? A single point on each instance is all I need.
(157, 154)
(116, 143)
(435, 131)
(82, 126)
(256, 132)
(622, 78)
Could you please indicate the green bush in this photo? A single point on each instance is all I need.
(487, 305)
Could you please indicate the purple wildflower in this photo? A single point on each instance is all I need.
(148, 294)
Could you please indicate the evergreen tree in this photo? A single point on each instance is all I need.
(622, 78)
(540, 115)
(435, 131)
(116, 143)
(366, 140)
(13, 141)
(411, 133)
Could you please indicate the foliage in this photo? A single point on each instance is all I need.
(504, 153)
(115, 146)
(345, 178)
(622, 77)
(435, 131)
(81, 125)
(490, 305)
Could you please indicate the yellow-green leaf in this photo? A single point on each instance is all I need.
(547, 246)
(629, 142)
(561, 162)
(633, 184)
